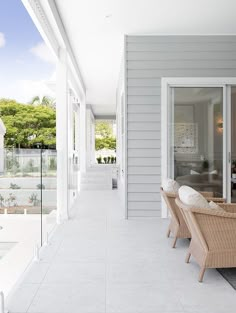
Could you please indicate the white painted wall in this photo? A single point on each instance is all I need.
(90, 137)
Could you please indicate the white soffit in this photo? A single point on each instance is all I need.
(96, 31)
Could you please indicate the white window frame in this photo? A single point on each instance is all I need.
(223, 82)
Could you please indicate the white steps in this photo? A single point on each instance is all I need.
(96, 178)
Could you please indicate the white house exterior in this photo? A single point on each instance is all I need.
(145, 62)
(165, 71)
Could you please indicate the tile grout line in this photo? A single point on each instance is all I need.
(40, 284)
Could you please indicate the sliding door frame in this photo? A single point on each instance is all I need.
(221, 82)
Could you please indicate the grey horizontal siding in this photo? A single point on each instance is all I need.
(151, 135)
(144, 170)
(198, 72)
(144, 91)
(140, 179)
(147, 153)
(149, 58)
(144, 213)
(182, 46)
(144, 144)
(143, 117)
(147, 108)
(144, 197)
(181, 39)
(144, 161)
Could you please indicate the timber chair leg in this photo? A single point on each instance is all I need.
(174, 242)
(168, 232)
(201, 274)
(187, 259)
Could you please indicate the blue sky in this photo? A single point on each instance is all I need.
(25, 61)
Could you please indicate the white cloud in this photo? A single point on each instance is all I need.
(31, 88)
(2, 40)
(24, 90)
(42, 51)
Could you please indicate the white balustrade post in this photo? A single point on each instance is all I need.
(2, 303)
(36, 253)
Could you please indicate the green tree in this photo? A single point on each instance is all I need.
(28, 124)
(103, 129)
(45, 100)
(104, 136)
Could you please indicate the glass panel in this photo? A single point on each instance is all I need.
(49, 192)
(233, 144)
(20, 219)
(196, 138)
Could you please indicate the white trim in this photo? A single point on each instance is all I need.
(168, 82)
(125, 129)
(228, 131)
(41, 21)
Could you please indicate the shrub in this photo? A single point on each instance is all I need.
(99, 160)
(112, 159)
(14, 186)
(39, 186)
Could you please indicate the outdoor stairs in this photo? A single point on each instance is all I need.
(96, 178)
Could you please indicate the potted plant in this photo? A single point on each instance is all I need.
(1, 201)
(99, 160)
(11, 200)
(34, 199)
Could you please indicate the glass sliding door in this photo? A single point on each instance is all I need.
(195, 137)
(233, 144)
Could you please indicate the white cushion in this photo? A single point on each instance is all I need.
(215, 206)
(192, 172)
(214, 172)
(170, 185)
(191, 197)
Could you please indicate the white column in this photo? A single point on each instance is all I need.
(62, 137)
(82, 128)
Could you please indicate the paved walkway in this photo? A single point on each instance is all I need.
(98, 262)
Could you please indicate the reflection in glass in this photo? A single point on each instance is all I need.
(196, 138)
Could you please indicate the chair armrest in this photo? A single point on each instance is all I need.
(215, 199)
(228, 207)
(213, 212)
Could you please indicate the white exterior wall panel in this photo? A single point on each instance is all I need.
(148, 60)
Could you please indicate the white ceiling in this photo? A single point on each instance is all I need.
(97, 40)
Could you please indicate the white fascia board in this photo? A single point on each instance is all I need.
(41, 21)
(48, 22)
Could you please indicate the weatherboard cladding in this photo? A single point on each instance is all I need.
(148, 59)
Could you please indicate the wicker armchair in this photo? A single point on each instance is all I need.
(178, 223)
(178, 226)
(213, 232)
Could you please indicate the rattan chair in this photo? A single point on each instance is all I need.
(178, 224)
(213, 232)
